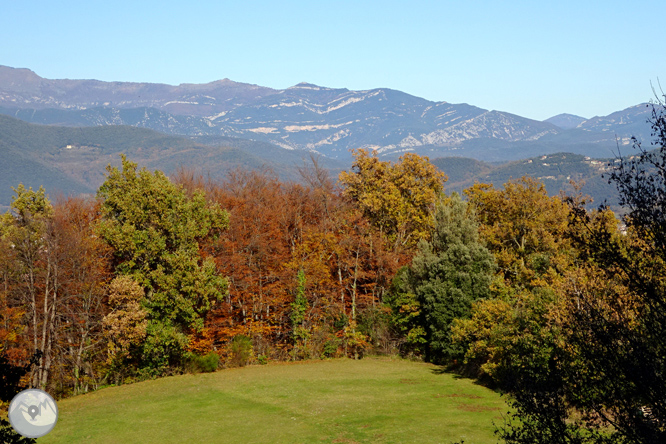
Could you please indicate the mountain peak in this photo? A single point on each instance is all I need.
(12, 78)
(566, 121)
(226, 82)
(311, 86)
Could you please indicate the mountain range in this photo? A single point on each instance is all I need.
(327, 121)
(63, 133)
(71, 161)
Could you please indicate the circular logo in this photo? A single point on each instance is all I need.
(33, 413)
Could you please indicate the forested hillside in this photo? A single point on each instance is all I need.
(71, 161)
(535, 294)
(556, 171)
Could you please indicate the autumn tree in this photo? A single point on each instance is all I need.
(252, 253)
(526, 230)
(280, 230)
(155, 230)
(34, 272)
(125, 325)
(399, 198)
(604, 383)
(14, 343)
(54, 272)
(338, 258)
(84, 266)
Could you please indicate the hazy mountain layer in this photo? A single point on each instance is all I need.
(72, 160)
(556, 171)
(566, 121)
(22, 88)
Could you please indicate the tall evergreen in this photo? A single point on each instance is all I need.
(448, 273)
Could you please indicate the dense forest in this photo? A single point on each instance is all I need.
(560, 306)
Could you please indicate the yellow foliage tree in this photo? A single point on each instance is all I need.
(529, 234)
(525, 229)
(125, 326)
(397, 198)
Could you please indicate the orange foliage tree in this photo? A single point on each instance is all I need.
(54, 275)
(277, 230)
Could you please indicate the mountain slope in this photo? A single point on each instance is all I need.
(17, 167)
(328, 121)
(625, 123)
(73, 160)
(556, 171)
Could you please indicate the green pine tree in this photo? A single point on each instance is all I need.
(449, 273)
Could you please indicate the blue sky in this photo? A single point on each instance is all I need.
(531, 58)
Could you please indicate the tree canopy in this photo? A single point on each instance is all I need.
(602, 378)
(447, 274)
(154, 229)
(397, 198)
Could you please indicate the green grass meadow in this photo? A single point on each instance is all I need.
(374, 400)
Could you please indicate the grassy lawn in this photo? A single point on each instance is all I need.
(374, 400)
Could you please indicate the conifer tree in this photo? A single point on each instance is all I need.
(449, 273)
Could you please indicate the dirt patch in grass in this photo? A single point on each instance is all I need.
(458, 395)
(476, 408)
(345, 441)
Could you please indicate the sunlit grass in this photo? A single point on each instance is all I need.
(373, 400)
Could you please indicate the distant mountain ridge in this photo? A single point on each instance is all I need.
(72, 161)
(328, 121)
(22, 88)
(555, 171)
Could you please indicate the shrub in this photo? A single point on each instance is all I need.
(240, 351)
(330, 349)
(375, 323)
(201, 364)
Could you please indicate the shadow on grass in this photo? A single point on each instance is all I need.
(458, 373)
